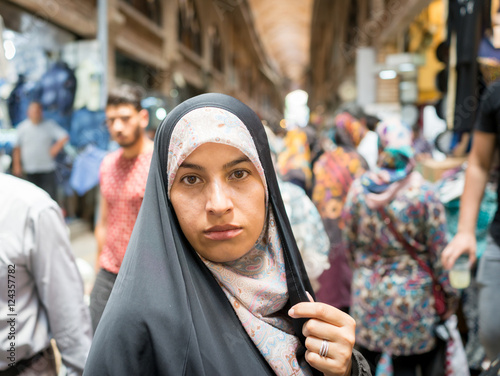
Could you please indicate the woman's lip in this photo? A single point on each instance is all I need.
(223, 235)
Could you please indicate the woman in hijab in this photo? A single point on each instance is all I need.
(212, 282)
(334, 172)
(392, 299)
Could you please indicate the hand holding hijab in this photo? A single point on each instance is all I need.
(187, 303)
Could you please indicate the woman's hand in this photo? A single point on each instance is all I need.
(330, 332)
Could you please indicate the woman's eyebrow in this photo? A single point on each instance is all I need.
(192, 166)
(236, 162)
(225, 167)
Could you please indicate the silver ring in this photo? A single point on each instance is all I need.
(323, 351)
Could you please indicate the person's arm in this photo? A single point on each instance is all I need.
(58, 145)
(17, 169)
(101, 228)
(60, 289)
(435, 231)
(476, 177)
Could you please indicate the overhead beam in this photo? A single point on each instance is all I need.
(76, 17)
(397, 16)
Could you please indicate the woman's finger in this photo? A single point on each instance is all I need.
(337, 365)
(321, 330)
(323, 312)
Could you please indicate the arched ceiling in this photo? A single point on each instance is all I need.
(284, 27)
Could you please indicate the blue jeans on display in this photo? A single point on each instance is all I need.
(64, 120)
(89, 127)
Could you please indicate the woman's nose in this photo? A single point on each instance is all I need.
(219, 200)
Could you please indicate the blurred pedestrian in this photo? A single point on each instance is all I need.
(368, 146)
(334, 172)
(306, 222)
(42, 291)
(394, 221)
(212, 282)
(479, 164)
(123, 175)
(294, 161)
(422, 147)
(38, 143)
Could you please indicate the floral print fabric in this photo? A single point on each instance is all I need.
(334, 172)
(294, 162)
(392, 300)
(349, 129)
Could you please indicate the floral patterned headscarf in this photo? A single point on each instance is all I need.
(395, 161)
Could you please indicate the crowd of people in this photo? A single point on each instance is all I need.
(224, 248)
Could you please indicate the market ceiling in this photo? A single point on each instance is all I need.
(285, 29)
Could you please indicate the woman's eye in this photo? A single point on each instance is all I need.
(190, 180)
(239, 174)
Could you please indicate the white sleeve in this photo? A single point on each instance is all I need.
(60, 289)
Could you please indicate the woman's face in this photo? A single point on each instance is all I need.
(219, 199)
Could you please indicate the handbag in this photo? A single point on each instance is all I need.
(438, 365)
(437, 290)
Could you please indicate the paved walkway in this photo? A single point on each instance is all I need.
(84, 248)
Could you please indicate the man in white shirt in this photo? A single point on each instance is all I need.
(41, 294)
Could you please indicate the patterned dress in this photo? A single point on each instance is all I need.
(392, 300)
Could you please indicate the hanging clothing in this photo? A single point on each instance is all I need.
(89, 128)
(88, 89)
(85, 171)
(467, 19)
(173, 312)
(23, 93)
(57, 88)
